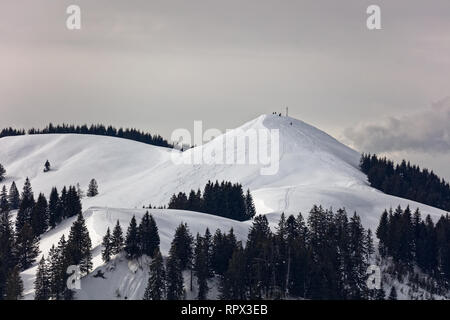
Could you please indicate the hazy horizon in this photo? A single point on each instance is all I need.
(160, 65)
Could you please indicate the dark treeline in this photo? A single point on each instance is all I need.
(98, 129)
(7, 132)
(19, 243)
(41, 214)
(52, 273)
(325, 257)
(411, 242)
(223, 199)
(406, 181)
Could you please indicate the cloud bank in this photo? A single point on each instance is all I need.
(426, 131)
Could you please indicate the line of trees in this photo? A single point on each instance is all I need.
(51, 276)
(19, 243)
(140, 240)
(41, 214)
(9, 132)
(223, 199)
(324, 257)
(406, 181)
(412, 241)
(94, 129)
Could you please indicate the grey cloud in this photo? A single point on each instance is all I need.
(424, 131)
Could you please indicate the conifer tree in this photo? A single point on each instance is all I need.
(117, 239)
(249, 205)
(148, 235)
(107, 246)
(26, 206)
(92, 188)
(181, 246)
(79, 245)
(382, 234)
(156, 287)
(370, 250)
(54, 209)
(341, 229)
(175, 286)
(14, 286)
(283, 255)
(53, 274)
(58, 263)
(358, 253)
(207, 243)
(324, 277)
(407, 247)
(40, 216)
(431, 262)
(63, 203)
(223, 246)
(2, 173)
(7, 257)
(27, 247)
(201, 267)
(259, 255)
(4, 204)
(233, 282)
(13, 197)
(195, 201)
(442, 230)
(42, 281)
(295, 248)
(132, 240)
(72, 204)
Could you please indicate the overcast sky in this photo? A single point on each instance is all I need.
(160, 65)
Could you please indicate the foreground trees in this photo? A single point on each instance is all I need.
(51, 276)
(324, 257)
(19, 244)
(412, 241)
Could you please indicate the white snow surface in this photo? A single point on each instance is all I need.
(314, 168)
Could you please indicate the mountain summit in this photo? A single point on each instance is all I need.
(314, 168)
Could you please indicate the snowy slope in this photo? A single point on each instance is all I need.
(314, 168)
(99, 219)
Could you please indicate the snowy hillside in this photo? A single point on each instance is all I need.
(314, 168)
(99, 219)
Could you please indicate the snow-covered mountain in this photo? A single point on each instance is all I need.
(314, 168)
